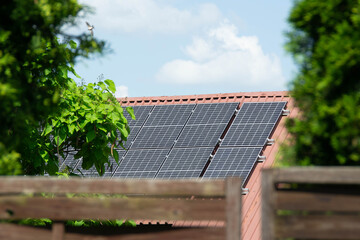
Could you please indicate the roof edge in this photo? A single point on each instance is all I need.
(202, 98)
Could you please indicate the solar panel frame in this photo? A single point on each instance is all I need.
(69, 161)
(163, 115)
(200, 135)
(248, 135)
(213, 113)
(185, 162)
(228, 162)
(145, 162)
(259, 112)
(141, 114)
(156, 137)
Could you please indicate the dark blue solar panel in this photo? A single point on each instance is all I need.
(157, 137)
(213, 113)
(259, 112)
(111, 168)
(200, 135)
(232, 162)
(133, 132)
(247, 135)
(141, 114)
(185, 162)
(141, 163)
(169, 115)
(69, 161)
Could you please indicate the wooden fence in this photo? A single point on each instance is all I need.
(311, 203)
(20, 197)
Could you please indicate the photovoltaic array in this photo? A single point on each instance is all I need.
(185, 140)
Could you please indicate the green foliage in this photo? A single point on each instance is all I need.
(325, 43)
(33, 69)
(90, 121)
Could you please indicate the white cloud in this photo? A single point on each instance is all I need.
(222, 56)
(121, 91)
(151, 16)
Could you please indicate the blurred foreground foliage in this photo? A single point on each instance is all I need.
(324, 41)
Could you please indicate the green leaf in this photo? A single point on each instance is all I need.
(47, 130)
(60, 137)
(130, 110)
(111, 85)
(73, 44)
(71, 128)
(123, 131)
(90, 136)
(102, 85)
(116, 156)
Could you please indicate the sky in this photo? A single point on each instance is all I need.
(183, 47)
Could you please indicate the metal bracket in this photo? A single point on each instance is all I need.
(270, 142)
(261, 158)
(285, 112)
(244, 191)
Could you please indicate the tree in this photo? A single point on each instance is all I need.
(324, 41)
(34, 82)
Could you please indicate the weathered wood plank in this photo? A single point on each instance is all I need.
(328, 175)
(194, 187)
(58, 231)
(233, 208)
(268, 205)
(62, 208)
(17, 232)
(318, 227)
(312, 201)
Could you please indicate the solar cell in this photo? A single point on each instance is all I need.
(200, 135)
(69, 161)
(259, 112)
(232, 162)
(156, 137)
(185, 162)
(133, 132)
(141, 163)
(111, 168)
(169, 115)
(141, 113)
(213, 113)
(247, 135)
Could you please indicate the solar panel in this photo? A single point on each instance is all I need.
(253, 124)
(213, 113)
(141, 114)
(141, 163)
(185, 163)
(232, 162)
(259, 112)
(69, 161)
(169, 115)
(133, 132)
(111, 168)
(247, 135)
(200, 135)
(157, 137)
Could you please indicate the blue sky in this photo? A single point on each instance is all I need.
(181, 47)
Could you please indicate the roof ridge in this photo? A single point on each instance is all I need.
(268, 96)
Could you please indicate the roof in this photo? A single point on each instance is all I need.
(251, 209)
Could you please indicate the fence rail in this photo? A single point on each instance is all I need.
(219, 200)
(311, 203)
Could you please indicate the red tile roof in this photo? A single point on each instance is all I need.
(251, 209)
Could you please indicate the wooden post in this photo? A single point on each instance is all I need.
(268, 214)
(58, 231)
(233, 208)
